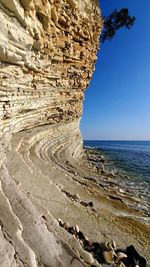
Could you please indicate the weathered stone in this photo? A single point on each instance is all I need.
(120, 256)
(47, 57)
(109, 256)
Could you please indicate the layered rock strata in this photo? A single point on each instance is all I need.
(43, 180)
(47, 53)
(47, 56)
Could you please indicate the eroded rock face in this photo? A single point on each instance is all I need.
(47, 53)
(47, 56)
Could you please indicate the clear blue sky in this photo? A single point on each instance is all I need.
(117, 102)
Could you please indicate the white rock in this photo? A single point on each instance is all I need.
(86, 256)
(121, 190)
(120, 256)
(86, 238)
(114, 245)
(77, 228)
(77, 196)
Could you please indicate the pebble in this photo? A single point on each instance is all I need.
(111, 245)
(109, 256)
(66, 226)
(121, 190)
(77, 196)
(71, 230)
(86, 238)
(120, 256)
(81, 235)
(77, 228)
(120, 259)
(83, 203)
(114, 245)
(140, 196)
(87, 257)
(127, 177)
(90, 204)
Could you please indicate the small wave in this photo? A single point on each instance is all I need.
(92, 147)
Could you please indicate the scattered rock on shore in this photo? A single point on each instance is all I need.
(95, 253)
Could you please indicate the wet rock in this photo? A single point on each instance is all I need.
(71, 230)
(84, 203)
(81, 235)
(97, 251)
(90, 204)
(96, 246)
(134, 258)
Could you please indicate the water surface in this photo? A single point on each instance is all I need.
(132, 158)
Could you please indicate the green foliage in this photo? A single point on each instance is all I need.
(115, 21)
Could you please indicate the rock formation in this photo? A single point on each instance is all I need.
(47, 56)
(47, 53)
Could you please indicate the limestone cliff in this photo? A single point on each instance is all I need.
(47, 56)
(47, 53)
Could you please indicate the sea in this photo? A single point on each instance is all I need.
(132, 159)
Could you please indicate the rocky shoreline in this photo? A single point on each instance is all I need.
(106, 253)
(60, 194)
(114, 181)
(47, 57)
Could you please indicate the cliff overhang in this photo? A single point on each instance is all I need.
(47, 56)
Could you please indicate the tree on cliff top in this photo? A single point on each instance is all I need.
(115, 21)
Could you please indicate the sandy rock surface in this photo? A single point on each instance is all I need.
(47, 56)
